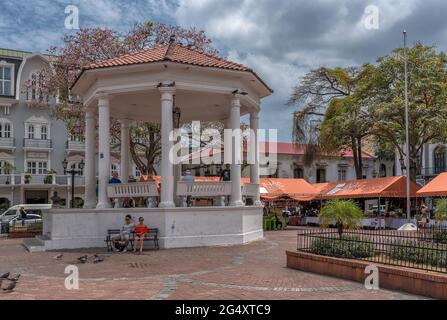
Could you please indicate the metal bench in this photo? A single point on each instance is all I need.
(133, 190)
(152, 236)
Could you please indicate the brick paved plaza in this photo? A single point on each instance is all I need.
(254, 271)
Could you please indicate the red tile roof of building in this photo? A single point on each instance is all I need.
(300, 149)
(283, 148)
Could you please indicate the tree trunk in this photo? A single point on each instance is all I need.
(354, 153)
(340, 229)
(360, 158)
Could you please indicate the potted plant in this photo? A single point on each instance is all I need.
(49, 177)
(27, 178)
(345, 214)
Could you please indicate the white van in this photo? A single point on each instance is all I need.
(14, 211)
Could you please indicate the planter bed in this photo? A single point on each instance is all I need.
(418, 282)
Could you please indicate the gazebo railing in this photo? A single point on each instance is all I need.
(203, 189)
(127, 190)
(133, 190)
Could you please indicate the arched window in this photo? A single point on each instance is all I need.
(6, 167)
(298, 172)
(114, 168)
(37, 128)
(321, 175)
(439, 159)
(75, 166)
(44, 132)
(383, 172)
(30, 131)
(5, 128)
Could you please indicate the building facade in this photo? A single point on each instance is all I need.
(291, 161)
(33, 145)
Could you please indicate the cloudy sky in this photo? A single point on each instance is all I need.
(280, 39)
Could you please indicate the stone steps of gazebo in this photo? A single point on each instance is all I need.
(34, 244)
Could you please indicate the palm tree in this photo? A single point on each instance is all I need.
(345, 213)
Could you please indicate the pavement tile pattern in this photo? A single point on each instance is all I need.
(254, 271)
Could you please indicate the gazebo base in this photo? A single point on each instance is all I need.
(178, 227)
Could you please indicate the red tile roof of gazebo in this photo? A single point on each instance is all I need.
(174, 53)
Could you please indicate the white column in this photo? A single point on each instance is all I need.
(90, 161)
(254, 148)
(167, 168)
(125, 147)
(235, 121)
(104, 152)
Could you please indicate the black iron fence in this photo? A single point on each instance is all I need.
(425, 249)
(21, 229)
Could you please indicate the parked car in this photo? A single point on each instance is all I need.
(30, 219)
(14, 211)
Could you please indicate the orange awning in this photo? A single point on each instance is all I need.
(295, 189)
(435, 188)
(389, 187)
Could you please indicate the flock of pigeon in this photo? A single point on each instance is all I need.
(8, 283)
(84, 259)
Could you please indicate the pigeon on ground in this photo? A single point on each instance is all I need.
(59, 256)
(11, 287)
(5, 275)
(83, 259)
(15, 278)
(97, 259)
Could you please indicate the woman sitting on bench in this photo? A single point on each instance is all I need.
(141, 231)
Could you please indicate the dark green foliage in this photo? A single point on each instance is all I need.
(412, 252)
(347, 247)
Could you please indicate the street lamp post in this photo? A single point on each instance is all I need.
(73, 173)
(407, 133)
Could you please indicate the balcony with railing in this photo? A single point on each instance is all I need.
(39, 179)
(9, 179)
(37, 143)
(75, 145)
(7, 143)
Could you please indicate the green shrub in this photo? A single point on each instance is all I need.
(347, 247)
(441, 210)
(411, 252)
(440, 236)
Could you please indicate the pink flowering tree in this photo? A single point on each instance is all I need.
(93, 45)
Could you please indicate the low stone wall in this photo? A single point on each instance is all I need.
(178, 227)
(414, 281)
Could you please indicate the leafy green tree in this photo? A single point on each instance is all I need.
(345, 213)
(327, 94)
(441, 210)
(427, 89)
(347, 123)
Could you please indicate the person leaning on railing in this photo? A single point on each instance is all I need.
(149, 179)
(188, 177)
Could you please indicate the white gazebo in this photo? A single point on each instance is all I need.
(143, 87)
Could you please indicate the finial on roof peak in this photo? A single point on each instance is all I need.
(172, 38)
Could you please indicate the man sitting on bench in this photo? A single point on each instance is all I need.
(141, 231)
(126, 231)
